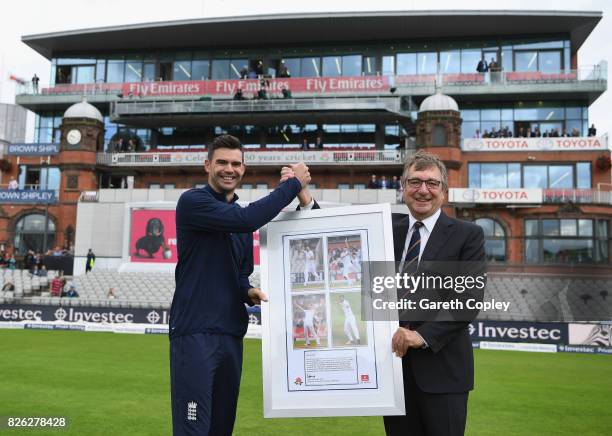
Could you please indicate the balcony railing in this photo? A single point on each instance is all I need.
(260, 158)
(136, 107)
(320, 86)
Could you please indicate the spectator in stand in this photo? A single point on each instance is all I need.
(8, 287)
(259, 68)
(91, 259)
(262, 94)
(575, 132)
(12, 263)
(482, 66)
(494, 69)
(57, 251)
(72, 292)
(592, 130)
(35, 81)
(494, 133)
(319, 143)
(555, 133)
(30, 261)
(565, 133)
(283, 71)
(395, 184)
(3, 259)
(286, 93)
(252, 74)
(305, 144)
(521, 132)
(26, 259)
(537, 133)
(42, 272)
(373, 182)
(111, 294)
(486, 134)
(477, 134)
(244, 72)
(39, 261)
(493, 66)
(13, 183)
(239, 95)
(384, 183)
(56, 286)
(34, 272)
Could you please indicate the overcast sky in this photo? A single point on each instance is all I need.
(42, 16)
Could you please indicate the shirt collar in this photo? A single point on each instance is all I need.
(428, 222)
(220, 197)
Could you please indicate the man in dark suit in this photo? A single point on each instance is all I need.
(437, 357)
(482, 66)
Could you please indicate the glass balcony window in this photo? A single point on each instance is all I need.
(133, 71)
(566, 241)
(526, 61)
(310, 67)
(450, 62)
(406, 63)
(427, 63)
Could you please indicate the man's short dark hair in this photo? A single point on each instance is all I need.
(223, 141)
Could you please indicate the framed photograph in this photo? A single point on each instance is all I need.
(322, 354)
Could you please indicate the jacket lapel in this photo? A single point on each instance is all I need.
(440, 234)
(399, 235)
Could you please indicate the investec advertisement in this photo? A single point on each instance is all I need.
(511, 331)
(152, 236)
(593, 338)
(100, 315)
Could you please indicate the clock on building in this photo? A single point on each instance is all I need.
(73, 137)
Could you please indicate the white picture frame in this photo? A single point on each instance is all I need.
(359, 377)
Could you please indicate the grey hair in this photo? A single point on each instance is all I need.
(422, 160)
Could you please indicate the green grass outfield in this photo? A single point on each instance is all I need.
(114, 384)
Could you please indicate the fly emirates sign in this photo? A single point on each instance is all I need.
(274, 87)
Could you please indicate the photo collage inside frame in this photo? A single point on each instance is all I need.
(324, 286)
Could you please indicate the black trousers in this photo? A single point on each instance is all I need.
(427, 414)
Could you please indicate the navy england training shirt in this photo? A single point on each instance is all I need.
(215, 258)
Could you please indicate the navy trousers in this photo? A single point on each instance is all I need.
(205, 373)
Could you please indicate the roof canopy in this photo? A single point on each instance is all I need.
(314, 29)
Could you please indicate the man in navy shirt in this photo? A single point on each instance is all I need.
(208, 318)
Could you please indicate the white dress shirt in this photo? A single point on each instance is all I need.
(426, 229)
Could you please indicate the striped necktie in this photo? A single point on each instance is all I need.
(414, 249)
(411, 262)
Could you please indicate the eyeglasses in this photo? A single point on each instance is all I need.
(417, 183)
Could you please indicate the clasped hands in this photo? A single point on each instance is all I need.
(403, 339)
(301, 172)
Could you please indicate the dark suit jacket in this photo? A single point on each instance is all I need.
(447, 366)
